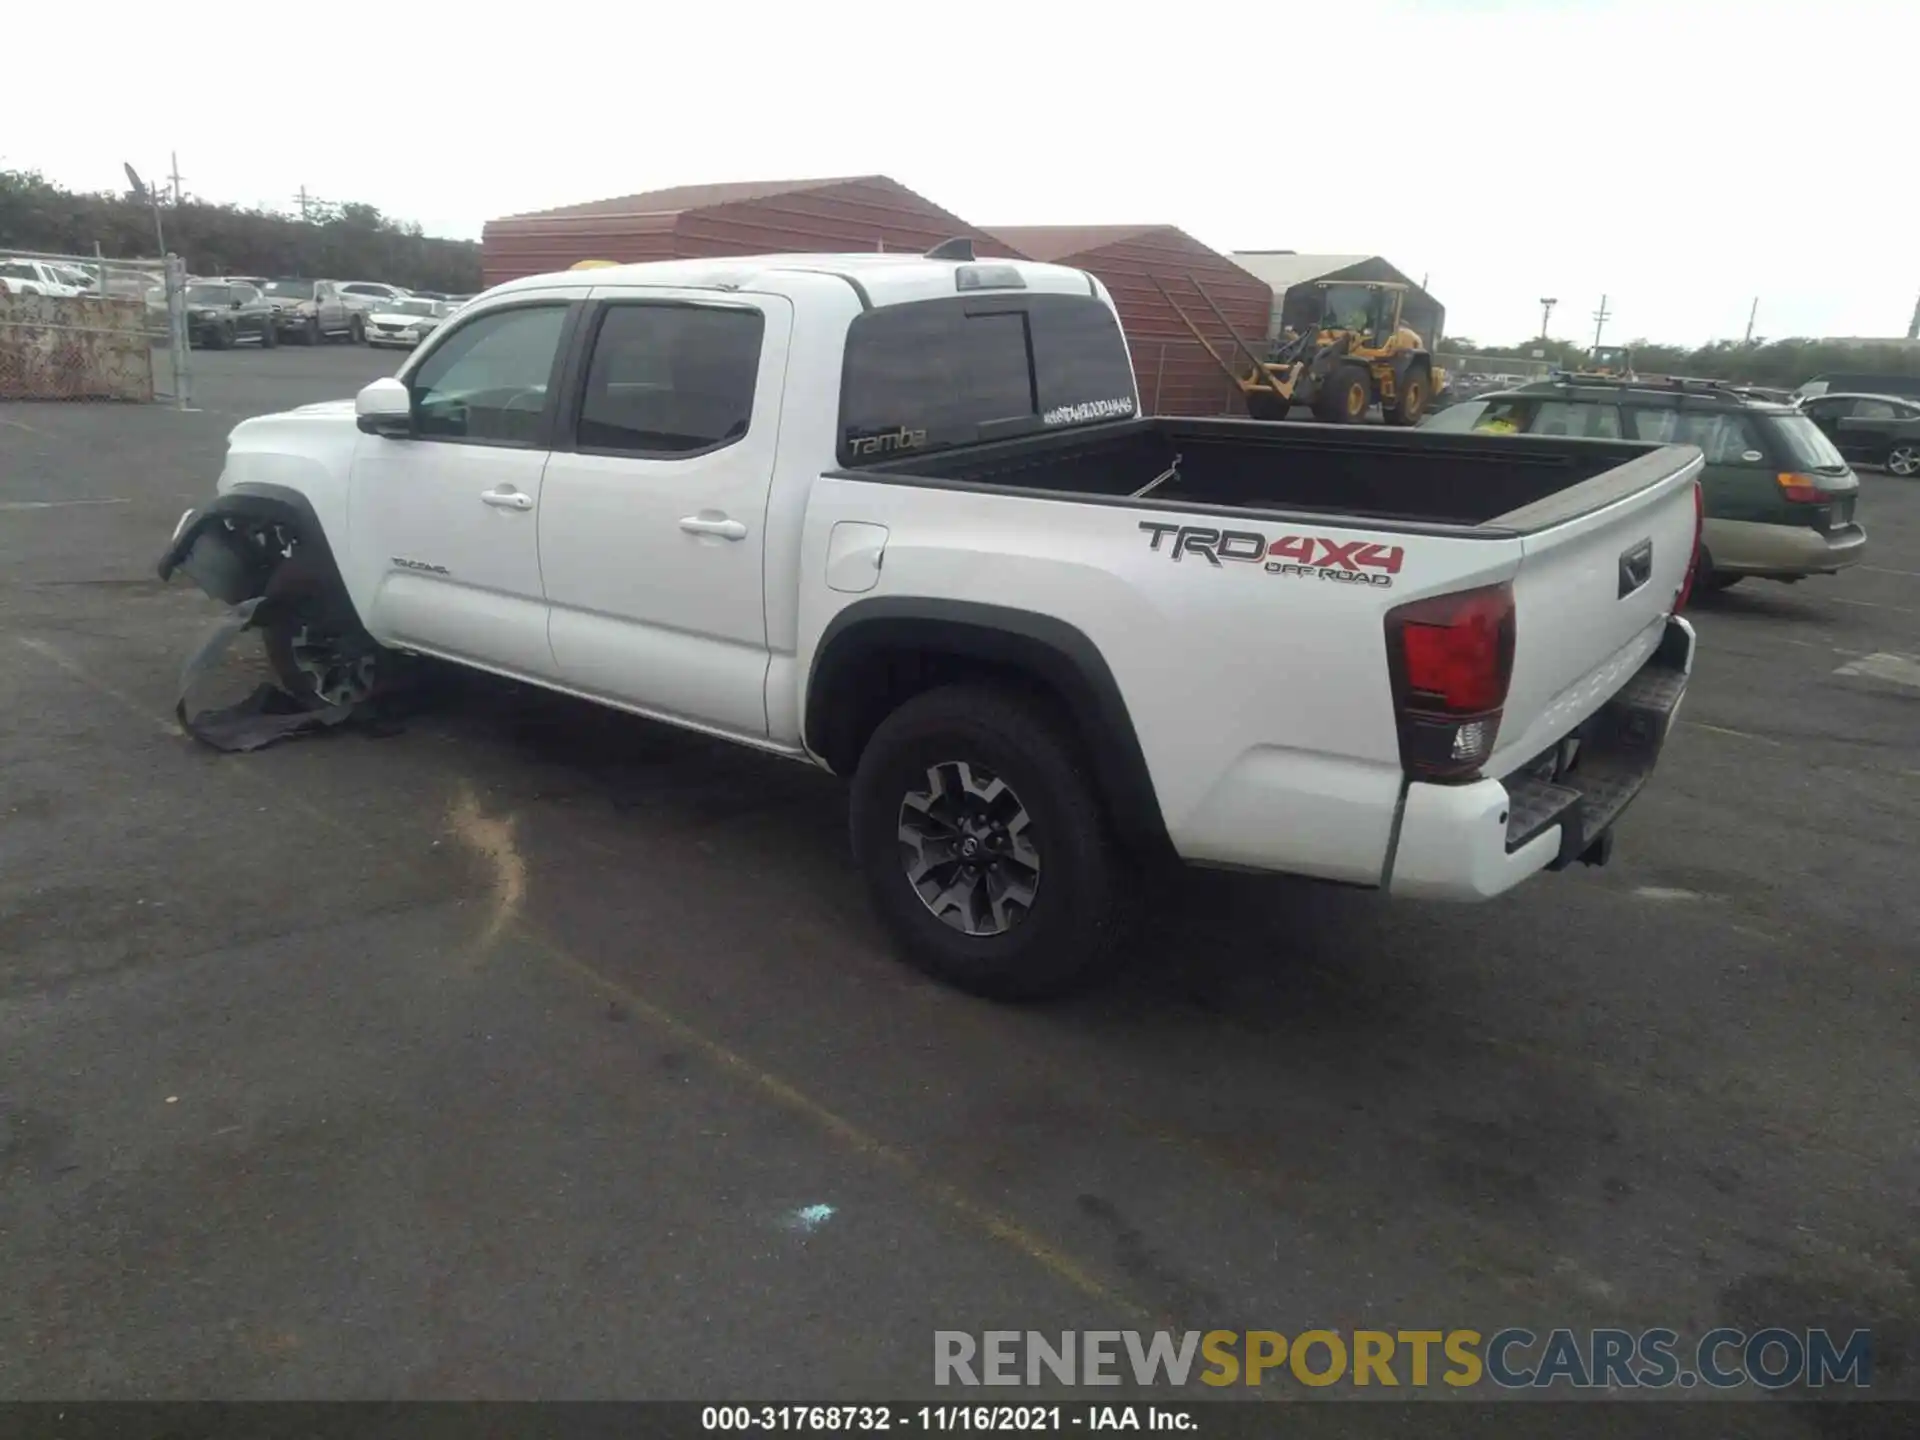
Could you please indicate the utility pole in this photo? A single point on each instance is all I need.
(142, 192)
(175, 156)
(303, 202)
(1913, 325)
(1600, 318)
(1547, 302)
(1751, 316)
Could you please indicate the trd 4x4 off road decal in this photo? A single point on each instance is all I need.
(1353, 562)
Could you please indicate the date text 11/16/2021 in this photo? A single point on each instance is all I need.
(937, 1419)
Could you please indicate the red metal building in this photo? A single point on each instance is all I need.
(1177, 377)
(864, 212)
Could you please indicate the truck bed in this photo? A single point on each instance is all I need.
(1380, 474)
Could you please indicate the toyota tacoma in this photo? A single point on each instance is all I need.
(898, 516)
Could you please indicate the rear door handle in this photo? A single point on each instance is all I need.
(507, 499)
(701, 525)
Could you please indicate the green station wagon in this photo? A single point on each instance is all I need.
(1779, 498)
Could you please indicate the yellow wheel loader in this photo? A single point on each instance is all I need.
(1614, 360)
(1348, 354)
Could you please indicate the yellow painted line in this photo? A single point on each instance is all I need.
(790, 1097)
(762, 1081)
(1725, 730)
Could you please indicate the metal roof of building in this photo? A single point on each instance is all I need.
(681, 198)
(1283, 268)
(1057, 242)
(888, 278)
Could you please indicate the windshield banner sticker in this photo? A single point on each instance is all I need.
(1114, 409)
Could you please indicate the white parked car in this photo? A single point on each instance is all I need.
(898, 516)
(369, 295)
(38, 277)
(405, 323)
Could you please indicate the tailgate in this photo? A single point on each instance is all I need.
(1601, 568)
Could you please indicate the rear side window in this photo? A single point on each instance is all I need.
(671, 379)
(1571, 417)
(1804, 444)
(1457, 418)
(1506, 417)
(1724, 437)
(938, 373)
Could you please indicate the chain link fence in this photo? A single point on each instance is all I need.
(1490, 365)
(80, 327)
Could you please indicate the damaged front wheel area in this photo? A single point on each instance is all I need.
(278, 576)
(320, 663)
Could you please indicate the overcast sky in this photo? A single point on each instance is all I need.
(1683, 157)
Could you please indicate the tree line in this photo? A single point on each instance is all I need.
(338, 242)
(1781, 363)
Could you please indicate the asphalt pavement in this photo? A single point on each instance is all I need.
(538, 1051)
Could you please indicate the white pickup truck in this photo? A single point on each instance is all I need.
(897, 516)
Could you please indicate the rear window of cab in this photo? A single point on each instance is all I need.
(932, 374)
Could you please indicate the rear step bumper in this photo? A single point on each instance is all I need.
(1471, 842)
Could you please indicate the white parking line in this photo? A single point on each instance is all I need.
(1874, 605)
(1883, 570)
(1898, 669)
(55, 504)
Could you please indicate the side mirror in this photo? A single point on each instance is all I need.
(385, 407)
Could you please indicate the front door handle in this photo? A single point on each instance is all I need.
(507, 499)
(702, 525)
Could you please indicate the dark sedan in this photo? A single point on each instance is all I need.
(1871, 429)
(222, 313)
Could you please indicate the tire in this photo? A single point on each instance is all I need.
(1709, 581)
(1904, 460)
(357, 330)
(1007, 764)
(310, 332)
(1263, 404)
(1345, 396)
(316, 658)
(1413, 397)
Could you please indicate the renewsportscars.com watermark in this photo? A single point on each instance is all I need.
(1510, 1359)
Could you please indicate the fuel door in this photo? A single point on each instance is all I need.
(855, 550)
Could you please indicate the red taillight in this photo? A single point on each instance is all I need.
(1798, 489)
(1450, 659)
(1693, 561)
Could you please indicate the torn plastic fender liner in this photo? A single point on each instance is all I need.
(218, 564)
(211, 547)
(267, 715)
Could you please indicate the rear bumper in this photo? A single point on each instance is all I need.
(1783, 552)
(1472, 842)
